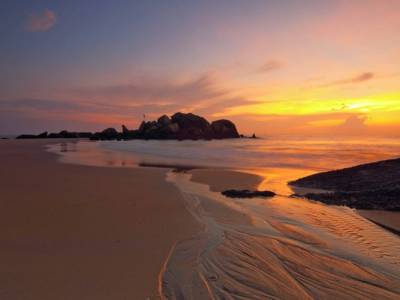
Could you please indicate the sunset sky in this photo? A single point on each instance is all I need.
(274, 67)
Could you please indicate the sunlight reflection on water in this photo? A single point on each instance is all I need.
(312, 155)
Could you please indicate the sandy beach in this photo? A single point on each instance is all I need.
(73, 228)
(77, 232)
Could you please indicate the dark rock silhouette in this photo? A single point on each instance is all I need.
(183, 126)
(125, 130)
(129, 134)
(164, 120)
(247, 194)
(180, 126)
(60, 135)
(369, 186)
(42, 135)
(223, 129)
(27, 136)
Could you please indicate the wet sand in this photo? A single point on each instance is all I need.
(278, 248)
(78, 232)
(219, 180)
(387, 219)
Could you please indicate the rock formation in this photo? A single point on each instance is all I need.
(369, 186)
(180, 126)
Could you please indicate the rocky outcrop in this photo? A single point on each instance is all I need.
(27, 136)
(247, 194)
(191, 126)
(164, 120)
(384, 199)
(224, 129)
(180, 126)
(42, 135)
(369, 186)
(60, 135)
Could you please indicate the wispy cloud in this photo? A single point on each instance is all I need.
(126, 103)
(42, 21)
(269, 66)
(200, 94)
(366, 76)
(156, 91)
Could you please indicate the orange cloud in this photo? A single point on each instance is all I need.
(41, 21)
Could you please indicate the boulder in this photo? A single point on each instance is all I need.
(186, 121)
(125, 130)
(191, 126)
(164, 120)
(173, 128)
(129, 134)
(109, 134)
(144, 126)
(247, 194)
(223, 129)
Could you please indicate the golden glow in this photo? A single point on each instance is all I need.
(384, 108)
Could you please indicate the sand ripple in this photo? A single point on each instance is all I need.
(279, 249)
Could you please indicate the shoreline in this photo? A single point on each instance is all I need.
(229, 178)
(64, 224)
(160, 235)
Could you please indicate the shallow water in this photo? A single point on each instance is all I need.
(278, 248)
(315, 155)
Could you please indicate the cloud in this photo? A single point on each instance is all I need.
(269, 66)
(354, 122)
(366, 76)
(153, 90)
(200, 95)
(41, 21)
(109, 113)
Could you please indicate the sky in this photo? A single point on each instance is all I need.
(274, 67)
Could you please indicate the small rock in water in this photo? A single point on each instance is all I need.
(247, 194)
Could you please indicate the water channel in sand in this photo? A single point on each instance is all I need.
(277, 248)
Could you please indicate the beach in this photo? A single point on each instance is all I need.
(78, 232)
(82, 220)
